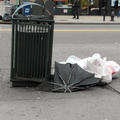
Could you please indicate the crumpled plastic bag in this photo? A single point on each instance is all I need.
(100, 67)
(81, 62)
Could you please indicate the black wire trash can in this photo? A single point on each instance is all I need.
(31, 54)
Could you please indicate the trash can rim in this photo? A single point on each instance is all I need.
(31, 19)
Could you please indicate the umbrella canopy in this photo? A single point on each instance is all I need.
(71, 77)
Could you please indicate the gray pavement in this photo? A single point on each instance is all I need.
(26, 103)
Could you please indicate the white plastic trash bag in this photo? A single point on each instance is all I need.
(106, 70)
(98, 66)
(81, 62)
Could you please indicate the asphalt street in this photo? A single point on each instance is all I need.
(27, 103)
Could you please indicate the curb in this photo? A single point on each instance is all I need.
(89, 23)
(3, 22)
(9, 22)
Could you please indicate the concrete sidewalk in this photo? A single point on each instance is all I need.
(67, 19)
(60, 19)
(27, 103)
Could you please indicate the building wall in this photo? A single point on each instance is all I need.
(97, 9)
(66, 9)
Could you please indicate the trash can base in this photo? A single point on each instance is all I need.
(24, 84)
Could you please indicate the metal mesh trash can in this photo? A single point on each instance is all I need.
(31, 56)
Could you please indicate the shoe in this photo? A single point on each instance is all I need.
(73, 18)
(77, 18)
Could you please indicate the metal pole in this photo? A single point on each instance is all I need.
(104, 15)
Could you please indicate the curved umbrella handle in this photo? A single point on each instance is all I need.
(30, 4)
